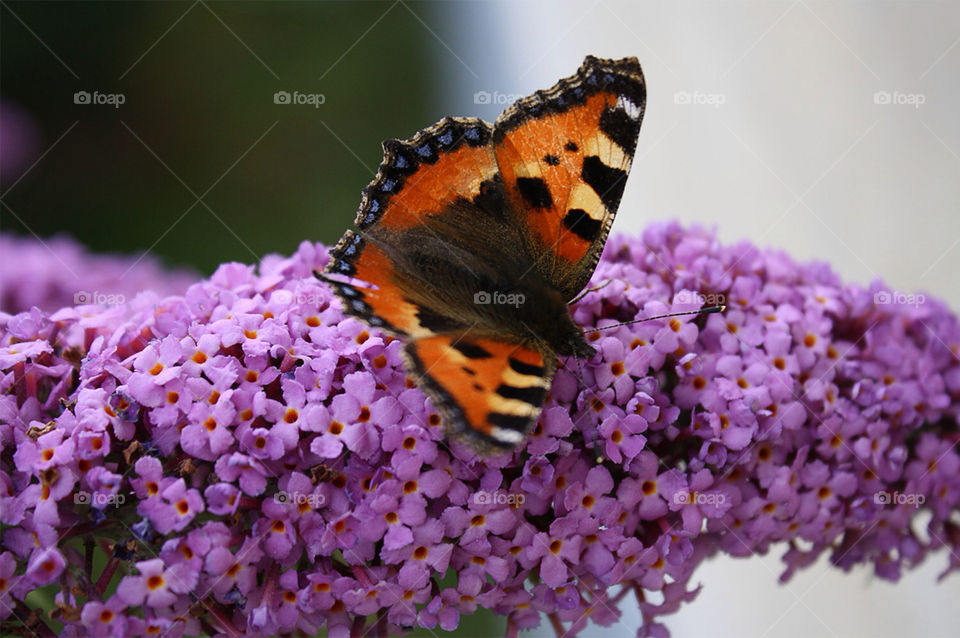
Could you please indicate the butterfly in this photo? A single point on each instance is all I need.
(473, 238)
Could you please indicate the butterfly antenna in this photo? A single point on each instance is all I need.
(587, 291)
(590, 436)
(591, 433)
(580, 369)
(702, 311)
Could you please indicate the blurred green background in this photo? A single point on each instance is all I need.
(198, 82)
(199, 120)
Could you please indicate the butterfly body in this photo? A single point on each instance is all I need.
(472, 239)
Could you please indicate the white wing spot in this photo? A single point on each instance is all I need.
(631, 109)
(507, 435)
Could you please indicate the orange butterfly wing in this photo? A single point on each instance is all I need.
(564, 155)
(417, 178)
(542, 185)
(489, 391)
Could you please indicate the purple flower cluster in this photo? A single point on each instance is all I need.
(60, 273)
(252, 462)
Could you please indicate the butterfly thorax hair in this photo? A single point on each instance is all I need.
(472, 266)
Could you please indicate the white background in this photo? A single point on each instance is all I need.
(799, 156)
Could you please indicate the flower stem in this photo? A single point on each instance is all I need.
(107, 574)
(558, 627)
